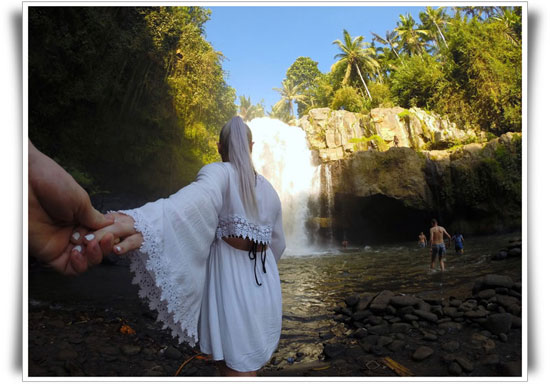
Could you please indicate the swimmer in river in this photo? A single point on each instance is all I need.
(437, 244)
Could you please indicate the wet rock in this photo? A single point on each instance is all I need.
(503, 337)
(514, 252)
(400, 327)
(157, 370)
(498, 323)
(360, 333)
(465, 363)
(455, 302)
(380, 302)
(396, 345)
(333, 350)
(390, 310)
(360, 315)
(378, 350)
(429, 337)
(492, 281)
(410, 318)
(130, 350)
(486, 294)
(423, 306)
(455, 369)
(468, 305)
(363, 303)
(478, 313)
(426, 315)
(404, 301)
(384, 340)
(437, 310)
(379, 329)
(451, 346)
(172, 353)
(450, 326)
(351, 300)
(375, 320)
(422, 353)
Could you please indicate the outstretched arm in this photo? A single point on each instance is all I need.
(57, 204)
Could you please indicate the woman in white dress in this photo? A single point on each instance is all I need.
(206, 257)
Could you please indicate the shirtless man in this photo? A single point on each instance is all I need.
(437, 244)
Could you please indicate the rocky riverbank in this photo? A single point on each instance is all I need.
(479, 335)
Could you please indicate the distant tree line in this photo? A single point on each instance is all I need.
(463, 62)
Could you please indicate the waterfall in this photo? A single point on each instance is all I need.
(281, 154)
(330, 200)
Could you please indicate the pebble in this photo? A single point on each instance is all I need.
(426, 315)
(503, 337)
(422, 353)
(455, 369)
(67, 354)
(429, 337)
(400, 327)
(384, 340)
(451, 346)
(396, 345)
(352, 300)
(332, 350)
(130, 350)
(465, 364)
(498, 323)
(172, 353)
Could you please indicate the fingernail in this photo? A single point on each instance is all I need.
(89, 237)
(76, 235)
(118, 249)
(78, 248)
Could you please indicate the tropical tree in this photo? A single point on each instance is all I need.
(289, 94)
(411, 38)
(434, 21)
(354, 53)
(303, 73)
(248, 111)
(390, 40)
(511, 19)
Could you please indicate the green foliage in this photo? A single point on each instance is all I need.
(347, 98)
(248, 111)
(303, 73)
(415, 82)
(132, 98)
(381, 96)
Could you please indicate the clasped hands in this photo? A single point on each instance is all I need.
(62, 220)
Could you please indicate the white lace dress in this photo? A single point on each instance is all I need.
(202, 288)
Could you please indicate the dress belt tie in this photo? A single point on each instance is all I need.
(252, 254)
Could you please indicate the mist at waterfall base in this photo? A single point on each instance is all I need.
(281, 154)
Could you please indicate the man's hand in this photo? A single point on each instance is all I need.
(57, 205)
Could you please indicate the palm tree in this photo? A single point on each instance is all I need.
(512, 24)
(435, 19)
(354, 53)
(411, 38)
(390, 40)
(289, 94)
(248, 111)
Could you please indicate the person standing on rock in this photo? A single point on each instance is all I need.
(437, 244)
(206, 257)
(395, 141)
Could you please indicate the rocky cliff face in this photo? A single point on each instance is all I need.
(336, 135)
(391, 193)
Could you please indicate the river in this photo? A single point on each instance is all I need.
(312, 285)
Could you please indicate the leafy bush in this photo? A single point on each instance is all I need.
(347, 98)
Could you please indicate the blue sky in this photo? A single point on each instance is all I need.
(260, 43)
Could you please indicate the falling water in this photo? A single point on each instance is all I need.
(330, 200)
(281, 154)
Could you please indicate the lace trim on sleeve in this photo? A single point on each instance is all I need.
(235, 225)
(151, 275)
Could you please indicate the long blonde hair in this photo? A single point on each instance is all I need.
(235, 143)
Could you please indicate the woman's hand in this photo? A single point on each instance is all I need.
(119, 237)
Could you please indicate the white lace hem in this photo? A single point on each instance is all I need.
(151, 275)
(235, 225)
